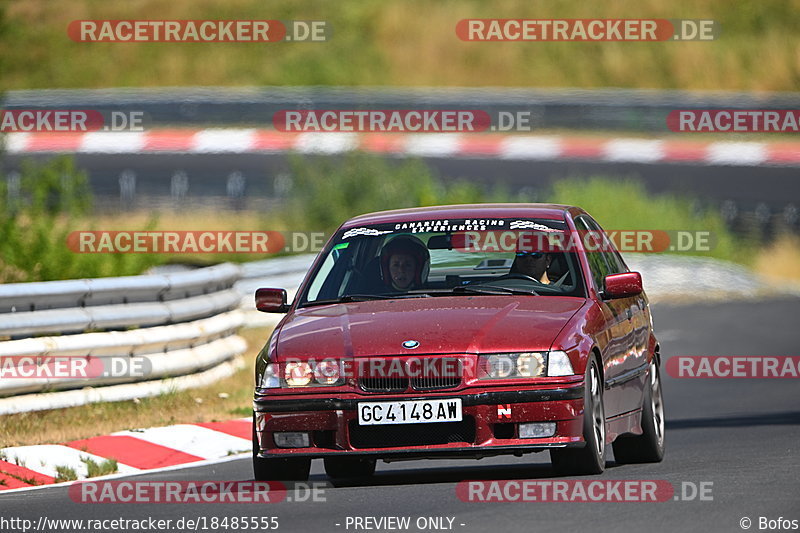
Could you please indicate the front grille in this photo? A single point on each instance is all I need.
(435, 382)
(422, 383)
(384, 384)
(399, 435)
(393, 375)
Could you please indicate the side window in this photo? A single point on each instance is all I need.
(322, 275)
(613, 255)
(597, 262)
(615, 263)
(333, 274)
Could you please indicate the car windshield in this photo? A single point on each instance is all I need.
(429, 258)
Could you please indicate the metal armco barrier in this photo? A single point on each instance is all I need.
(168, 351)
(42, 295)
(180, 327)
(607, 109)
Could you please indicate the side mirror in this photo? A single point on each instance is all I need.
(271, 300)
(623, 285)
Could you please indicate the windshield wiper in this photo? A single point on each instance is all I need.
(491, 289)
(357, 298)
(472, 289)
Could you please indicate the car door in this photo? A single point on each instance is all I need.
(640, 313)
(627, 385)
(618, 315)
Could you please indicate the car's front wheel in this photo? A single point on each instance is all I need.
(591, 459)
(349, 467)
(649, 446)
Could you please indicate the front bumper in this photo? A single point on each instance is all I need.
(489, 426)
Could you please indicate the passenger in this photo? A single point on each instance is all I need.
(533, 264)
(405, 262)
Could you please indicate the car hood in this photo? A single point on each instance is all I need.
(464, 324)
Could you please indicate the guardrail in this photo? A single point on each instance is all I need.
(43, 295)
(606, 109)
(185, 330)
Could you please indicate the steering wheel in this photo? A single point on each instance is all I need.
(517, 275)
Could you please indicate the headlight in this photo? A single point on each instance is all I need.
(327, 372)
(558, 364)
(499, 366)
(530, 365)
(524, 365)
(511, 365)
(298, 374)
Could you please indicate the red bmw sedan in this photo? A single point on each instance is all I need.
(460, 331)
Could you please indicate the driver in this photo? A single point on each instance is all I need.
(405, 262)
(533, 264)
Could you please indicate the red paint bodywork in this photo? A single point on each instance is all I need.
(618, 332)
(623, 285)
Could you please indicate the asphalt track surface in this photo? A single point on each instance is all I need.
(746, 186)
(742, 435)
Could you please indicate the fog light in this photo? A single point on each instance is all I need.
(535, 430)
(291, 440)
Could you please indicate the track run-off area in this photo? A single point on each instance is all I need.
(732, 456)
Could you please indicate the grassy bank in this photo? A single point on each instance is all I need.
(626, 205)
(411, 43)
(53, 200)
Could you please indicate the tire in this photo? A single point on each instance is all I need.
(289, 469)
(349, 467)
(649, 446)
(591, 459)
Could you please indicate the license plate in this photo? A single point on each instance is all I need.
(409, 412)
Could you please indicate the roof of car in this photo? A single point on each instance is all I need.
(440, 212)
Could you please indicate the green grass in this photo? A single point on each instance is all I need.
(23, 478)
(104, 468)
(411, 43)
(54, 200)
(624, 204)
(241, 411)
(65, 473)
(327, 191)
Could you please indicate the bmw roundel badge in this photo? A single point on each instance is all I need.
(410, 344)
